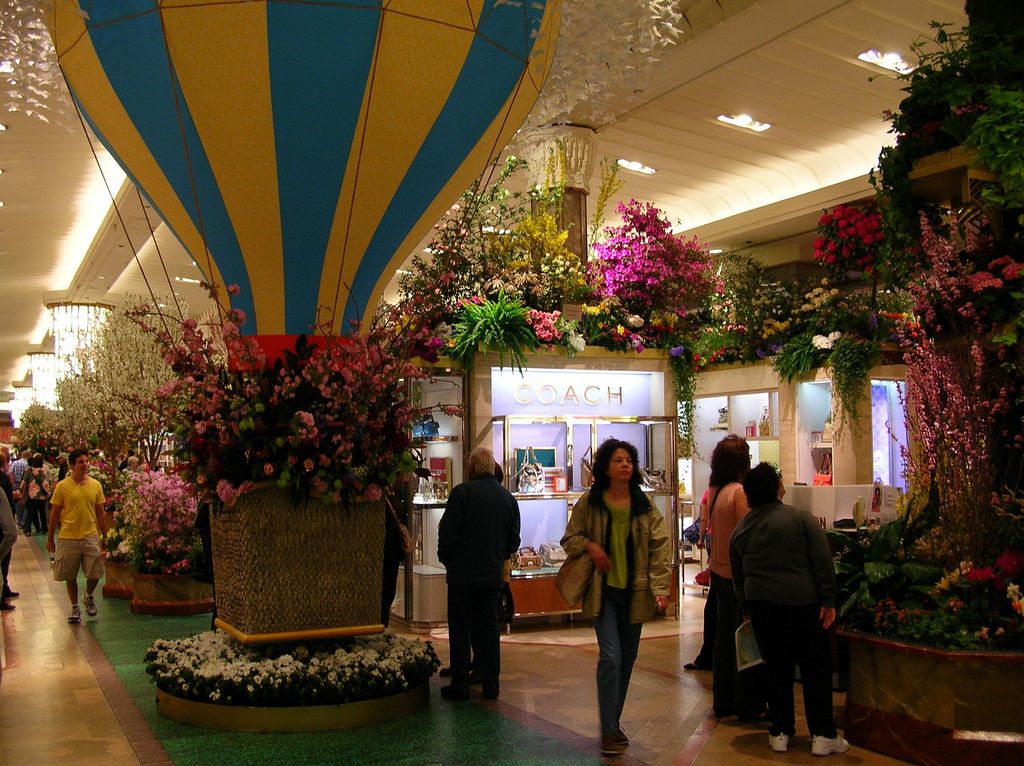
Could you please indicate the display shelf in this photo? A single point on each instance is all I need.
(422, 440)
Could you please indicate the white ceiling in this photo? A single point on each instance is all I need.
(791, 63)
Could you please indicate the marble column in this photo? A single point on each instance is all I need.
(578, 146)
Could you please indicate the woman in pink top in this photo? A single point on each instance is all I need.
(727, 504)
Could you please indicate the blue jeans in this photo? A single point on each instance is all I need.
(618, 641)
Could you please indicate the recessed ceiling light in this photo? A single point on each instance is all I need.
(188, 280)
(716, 251)
(2, 126)
(636, 167)
(891, 61)
(744, 121)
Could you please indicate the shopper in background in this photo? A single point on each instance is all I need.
(784, 579)
(732, 694)
(705, 657)
(17, 472)
(8, 532)
(479, 531)
(617, 525)
(36, 487)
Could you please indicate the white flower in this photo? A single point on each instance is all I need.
(826, 341)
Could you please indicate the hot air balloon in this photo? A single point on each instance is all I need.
(301, 150)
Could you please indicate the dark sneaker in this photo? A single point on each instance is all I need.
(610, 745)
(76, 615)
(455, 693)
(90, 605)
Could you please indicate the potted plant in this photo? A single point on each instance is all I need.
(157, 513)
(294, 454)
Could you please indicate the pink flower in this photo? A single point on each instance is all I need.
(225, 491)
(372, 492)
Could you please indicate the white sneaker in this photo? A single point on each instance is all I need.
(779, 742)
(76, 615)
(90, 605)
(825, 746)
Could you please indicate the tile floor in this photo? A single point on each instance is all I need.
(60, 700)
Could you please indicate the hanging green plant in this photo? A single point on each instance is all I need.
(851, 361)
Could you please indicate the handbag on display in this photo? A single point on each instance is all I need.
(552, 553)
(823, 478)
(530, 479)
(703, 577)
(573, 578)
(654, 478)
(526, 558)
(587, 468)
(426, 426)
(826, 430)
(691, 534)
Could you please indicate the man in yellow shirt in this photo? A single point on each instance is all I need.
(77, 508)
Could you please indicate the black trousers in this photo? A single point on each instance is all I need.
(473, 628)
(732, 692)
(792, 635)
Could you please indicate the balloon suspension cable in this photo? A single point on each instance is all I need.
(115, 206)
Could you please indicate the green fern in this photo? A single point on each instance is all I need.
(797, 358)
(498, 325)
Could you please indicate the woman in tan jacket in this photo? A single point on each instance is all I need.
(617, 525)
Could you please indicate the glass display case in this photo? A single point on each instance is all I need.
(547, 463)
(421, 600)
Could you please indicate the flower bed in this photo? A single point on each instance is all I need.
(214, 668)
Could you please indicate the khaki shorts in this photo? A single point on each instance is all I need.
(72, 554)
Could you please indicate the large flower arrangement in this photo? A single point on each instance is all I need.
(214, 667)
(157, 513)
(331, 418)
(850, 237)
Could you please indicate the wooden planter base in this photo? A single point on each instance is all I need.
(170, 595)
(117, 582)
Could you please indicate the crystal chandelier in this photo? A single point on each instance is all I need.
(30, 79)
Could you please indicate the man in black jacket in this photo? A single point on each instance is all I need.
(479, 530)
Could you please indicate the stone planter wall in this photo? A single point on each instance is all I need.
(934, 707)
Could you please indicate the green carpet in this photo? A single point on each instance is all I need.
(440, 733)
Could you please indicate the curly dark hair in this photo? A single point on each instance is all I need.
(730, 461)
(761, 485)
(603, 458)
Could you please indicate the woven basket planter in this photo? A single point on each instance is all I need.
(295, 572)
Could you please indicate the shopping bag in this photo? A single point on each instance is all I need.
(748, 653)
